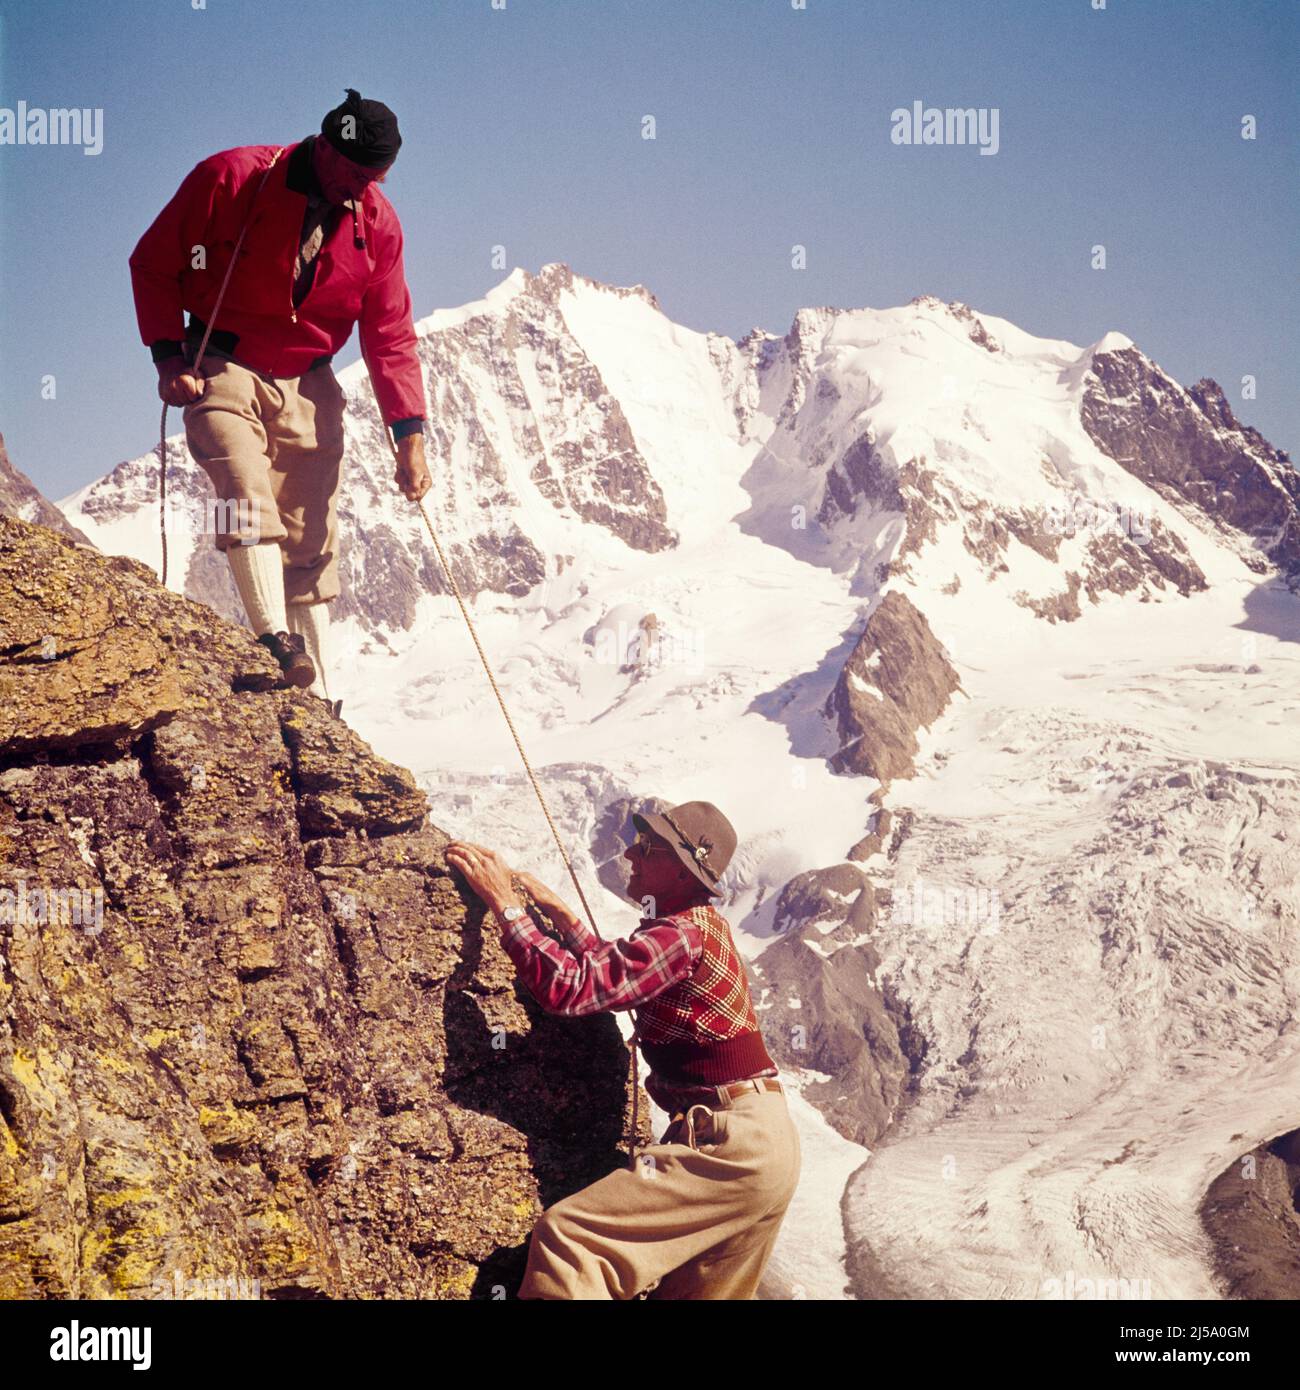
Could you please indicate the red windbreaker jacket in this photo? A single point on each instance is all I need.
(352, 285)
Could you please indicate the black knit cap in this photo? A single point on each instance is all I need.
(364, 131)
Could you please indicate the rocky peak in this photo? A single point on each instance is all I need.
(897, 680)
(555, 277)
(251, 1030)
(963, 313)
(1189, 446)
(795, 356)
(1208, 394)
(20, 497)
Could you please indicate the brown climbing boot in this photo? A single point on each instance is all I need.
(290, 651)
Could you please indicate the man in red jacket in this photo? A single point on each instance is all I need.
(698, 1216)
(322, 252)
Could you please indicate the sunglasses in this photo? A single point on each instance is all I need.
(645, 847)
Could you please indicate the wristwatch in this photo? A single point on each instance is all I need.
(511, 914)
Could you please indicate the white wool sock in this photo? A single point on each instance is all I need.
(259, 577)
(313, 620)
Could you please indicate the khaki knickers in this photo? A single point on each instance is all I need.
(273, 447)
(700, 1212)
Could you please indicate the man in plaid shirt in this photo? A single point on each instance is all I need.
(699, 1215)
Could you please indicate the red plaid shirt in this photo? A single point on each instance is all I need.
(593, 976)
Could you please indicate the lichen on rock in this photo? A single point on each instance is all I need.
(251, 1029)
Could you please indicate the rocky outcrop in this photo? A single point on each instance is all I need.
(862, 474)
(252, 1033)
(896, 681)
(821, 1010)
(1149, 561)
(1190, 447)
(20, 497)
(965, 315)
(1250, 1212)
(797, 355)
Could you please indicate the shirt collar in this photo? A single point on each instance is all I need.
(301, 175)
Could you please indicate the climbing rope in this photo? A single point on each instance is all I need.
(198, 361)
(528, 767)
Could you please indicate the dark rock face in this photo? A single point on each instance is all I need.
(250, 1033)
(1115, 562)
(1250, 1212)
(1191, 449)
(20, 497)
(1118, 564)
(1062, 607)
(896, 681)
(860, 475)
(573, 440)
(820, 1009)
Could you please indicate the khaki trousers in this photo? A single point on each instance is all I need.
(273, 447)
(700, 1212)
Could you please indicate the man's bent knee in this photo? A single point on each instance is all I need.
(554, 1258)
(562, 1263)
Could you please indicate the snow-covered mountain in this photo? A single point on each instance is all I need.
(986, 644)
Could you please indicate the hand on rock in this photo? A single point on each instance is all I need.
(486, 872)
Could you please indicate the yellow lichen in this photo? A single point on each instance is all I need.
(105, 1201)
(458, 1285)
(27, 1072)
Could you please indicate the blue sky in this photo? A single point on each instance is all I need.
(522, 126)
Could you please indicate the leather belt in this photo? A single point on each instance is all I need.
(758, 1083)
(737, 1089)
